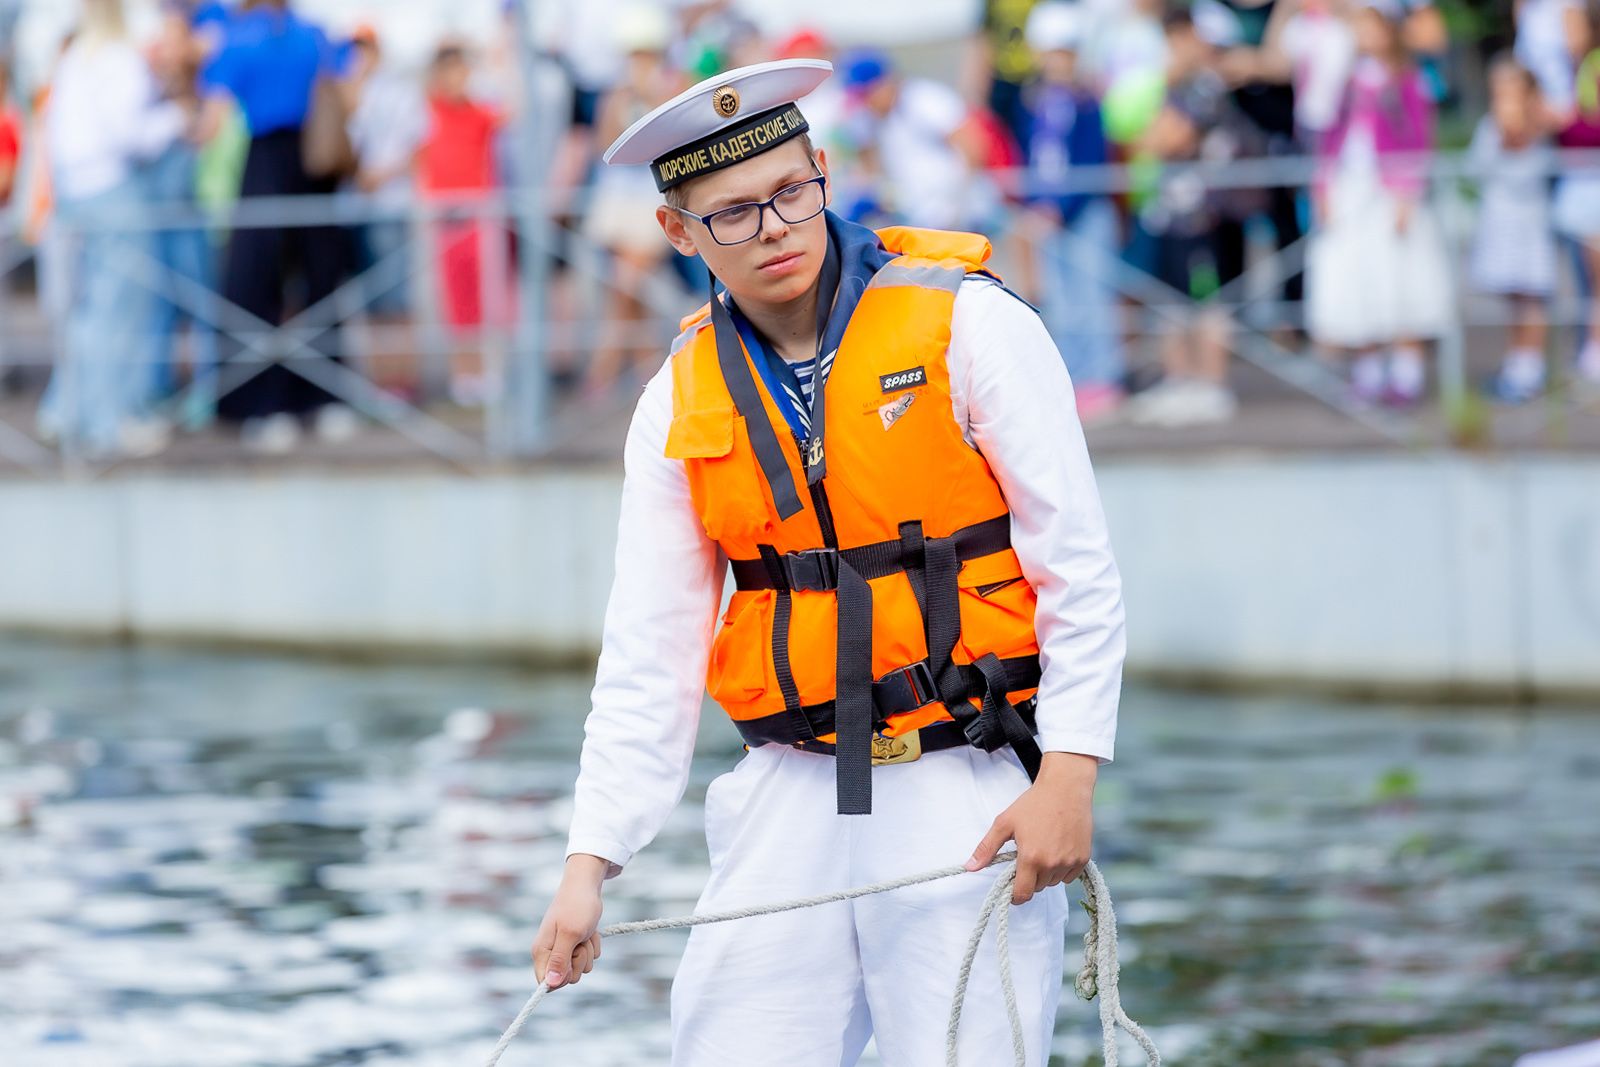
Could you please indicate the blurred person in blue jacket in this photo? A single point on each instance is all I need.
(1076, 239)
(269, 62)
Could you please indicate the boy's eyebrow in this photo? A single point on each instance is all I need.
(793, 177)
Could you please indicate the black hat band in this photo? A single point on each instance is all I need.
(726, 147)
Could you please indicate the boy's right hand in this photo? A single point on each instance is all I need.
(568, 942)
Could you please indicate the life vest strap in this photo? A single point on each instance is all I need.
(817, 569)
(902, 689)
(998, 723)
(931, 738)
(932, 565)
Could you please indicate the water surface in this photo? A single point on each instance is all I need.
(220, 859)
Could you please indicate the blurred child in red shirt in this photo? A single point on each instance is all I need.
(473, 250)
(10, 138)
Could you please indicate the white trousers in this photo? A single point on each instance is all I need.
(808, 988)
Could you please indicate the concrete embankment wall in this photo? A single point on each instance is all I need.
(1383, 572)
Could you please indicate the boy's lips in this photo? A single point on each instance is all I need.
(781, 264)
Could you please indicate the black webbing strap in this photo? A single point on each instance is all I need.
(931, 738)
(941, 617)
(853, 708)
(911, 543)
(870, 561)
(747, 399)
(1023, 672)
(998, 722)
(782, 608)
(901, 690)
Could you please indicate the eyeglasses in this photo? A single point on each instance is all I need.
(793, 204)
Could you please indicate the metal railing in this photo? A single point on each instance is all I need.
(517, 419)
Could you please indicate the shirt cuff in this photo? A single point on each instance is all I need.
(1101, 748)
(614, 854)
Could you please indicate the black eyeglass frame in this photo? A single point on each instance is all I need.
(761, 207)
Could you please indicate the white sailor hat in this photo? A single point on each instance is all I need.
(721, 121)
(1054, 26)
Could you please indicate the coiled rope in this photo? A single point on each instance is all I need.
(1097, 977)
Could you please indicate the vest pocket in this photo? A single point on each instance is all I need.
(741, 670)
(701, 434)
(725, 478)
(997, 607)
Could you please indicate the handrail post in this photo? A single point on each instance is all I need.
(1452, 344)
(528, 386)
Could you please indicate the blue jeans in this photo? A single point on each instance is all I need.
(1080, 305)
(100, 378)
(186, 252)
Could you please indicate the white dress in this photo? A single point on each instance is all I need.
(1369, 283)
(1577, 204)
(1514, 249)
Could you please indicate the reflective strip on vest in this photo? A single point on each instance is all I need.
(930, 276)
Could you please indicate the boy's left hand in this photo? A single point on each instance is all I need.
(1052, 824)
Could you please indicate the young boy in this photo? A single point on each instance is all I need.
(456, 165)
(1076, 238)
(924, 648)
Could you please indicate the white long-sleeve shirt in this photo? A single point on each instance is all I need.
(105, 116)
(1013, 400)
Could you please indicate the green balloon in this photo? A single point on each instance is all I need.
(1132, 103)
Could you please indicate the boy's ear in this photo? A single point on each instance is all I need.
(672, 225)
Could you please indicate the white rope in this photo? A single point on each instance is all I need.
(1099, 973)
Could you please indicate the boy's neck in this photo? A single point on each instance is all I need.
(791, 328)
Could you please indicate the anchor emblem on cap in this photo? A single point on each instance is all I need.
(726, 100)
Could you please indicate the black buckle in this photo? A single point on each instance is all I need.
(919, 676)
(982, 725)
(814, 570)
(982, 730)
(905, 689)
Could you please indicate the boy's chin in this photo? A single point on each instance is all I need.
(781, 290)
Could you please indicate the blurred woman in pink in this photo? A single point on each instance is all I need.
(1377, 281)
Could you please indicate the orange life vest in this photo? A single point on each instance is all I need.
(880, 612)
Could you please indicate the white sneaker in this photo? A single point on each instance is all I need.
(1211, 403)
(139, 438)
(1150, 407)
(1587, 369)
(274, 435)
(1197, 403)
(334, 424)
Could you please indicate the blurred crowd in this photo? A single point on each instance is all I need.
(1078, 135)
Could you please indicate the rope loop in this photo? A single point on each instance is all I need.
(1097, 977)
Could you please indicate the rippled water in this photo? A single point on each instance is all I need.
(226, 860)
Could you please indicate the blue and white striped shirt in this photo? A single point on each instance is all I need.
(806, 374)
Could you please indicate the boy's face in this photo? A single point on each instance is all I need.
(782, 261)
(1187, 51)
(1058, 66)
(881, 96)
(1510, 100)
(450, 77)
(1374, 35)
(364, 59)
